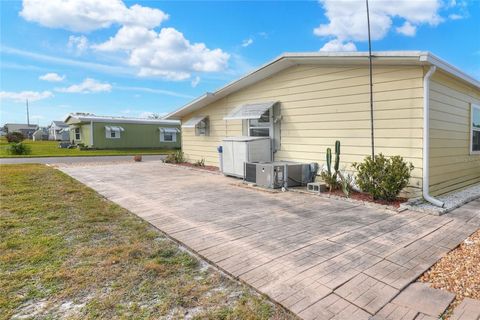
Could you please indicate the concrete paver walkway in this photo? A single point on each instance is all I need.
(320, 258)
(82, 159)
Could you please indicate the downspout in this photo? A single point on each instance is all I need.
(91, 134)
(426, 140)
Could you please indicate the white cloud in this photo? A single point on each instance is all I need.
(89, 15)
(247, 42)
(154, 91)
(24, 95)
(77, 44)
(347, 19)
(455, 16)
(52, 77)
(263, 34)
(87, 86)
(127, 38)
(97, 67)
(166, 54)
(337, 45)
(407, 29)
(195, 82)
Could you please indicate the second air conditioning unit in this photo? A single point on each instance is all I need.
(280, 174)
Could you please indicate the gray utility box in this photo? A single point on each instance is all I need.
(273, 174)
(239, 150)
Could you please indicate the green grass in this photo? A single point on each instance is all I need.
(51, 149)
(66, 252)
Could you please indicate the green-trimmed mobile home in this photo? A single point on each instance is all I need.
(103, 132)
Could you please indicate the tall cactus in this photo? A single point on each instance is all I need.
(337, 156)
(329, 177)
(329, 161)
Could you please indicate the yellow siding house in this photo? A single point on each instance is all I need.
(425, 110)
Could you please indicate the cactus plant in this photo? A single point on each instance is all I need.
(329, 161)
(329, 177)
(337, 156)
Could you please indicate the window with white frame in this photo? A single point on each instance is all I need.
(261, 127)
(168, 134)
(77, 133)
(113, 132)
(475, 138)
(202, 128)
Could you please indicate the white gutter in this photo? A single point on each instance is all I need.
(426, 140)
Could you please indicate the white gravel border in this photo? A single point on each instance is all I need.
(452, 201)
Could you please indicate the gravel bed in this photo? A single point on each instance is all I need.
(452, 201)
(458, 272)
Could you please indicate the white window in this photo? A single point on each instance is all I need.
(168, 134)
(77, 133)
(203, 127)
(113, 132)
(261, 127)
(475, 138)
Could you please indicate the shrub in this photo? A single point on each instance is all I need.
(383, 177)
(19, 149)
(199, 163)
(346, 183)
(15, 137)
(176, 157)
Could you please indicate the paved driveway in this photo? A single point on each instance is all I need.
(320, 258)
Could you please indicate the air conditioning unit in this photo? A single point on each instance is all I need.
(279, 174)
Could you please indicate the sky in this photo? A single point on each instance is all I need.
(135, 58)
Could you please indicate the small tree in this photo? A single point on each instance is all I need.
(154, 116)
(383, 177)
(15, 137)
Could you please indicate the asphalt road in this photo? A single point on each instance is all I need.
(51, 160)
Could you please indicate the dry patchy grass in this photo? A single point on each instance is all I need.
(66, 252)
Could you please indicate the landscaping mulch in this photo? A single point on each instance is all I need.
(360, 196)
(458, 271)
(191, 165)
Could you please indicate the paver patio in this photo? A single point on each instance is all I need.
(320, 258)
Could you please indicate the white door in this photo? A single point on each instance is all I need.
(228, 159)
(240, 157)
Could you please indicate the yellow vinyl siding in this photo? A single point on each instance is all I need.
(451, 165)
(320, 104)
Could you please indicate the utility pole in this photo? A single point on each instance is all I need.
(28, 115)
(371, 82)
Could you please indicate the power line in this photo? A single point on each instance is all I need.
(371, 82)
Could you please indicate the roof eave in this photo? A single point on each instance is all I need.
(449, 68)
(289, 59)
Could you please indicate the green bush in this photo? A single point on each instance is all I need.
(19, 149)
(176, 157)
(15, 137)
(383, 177)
